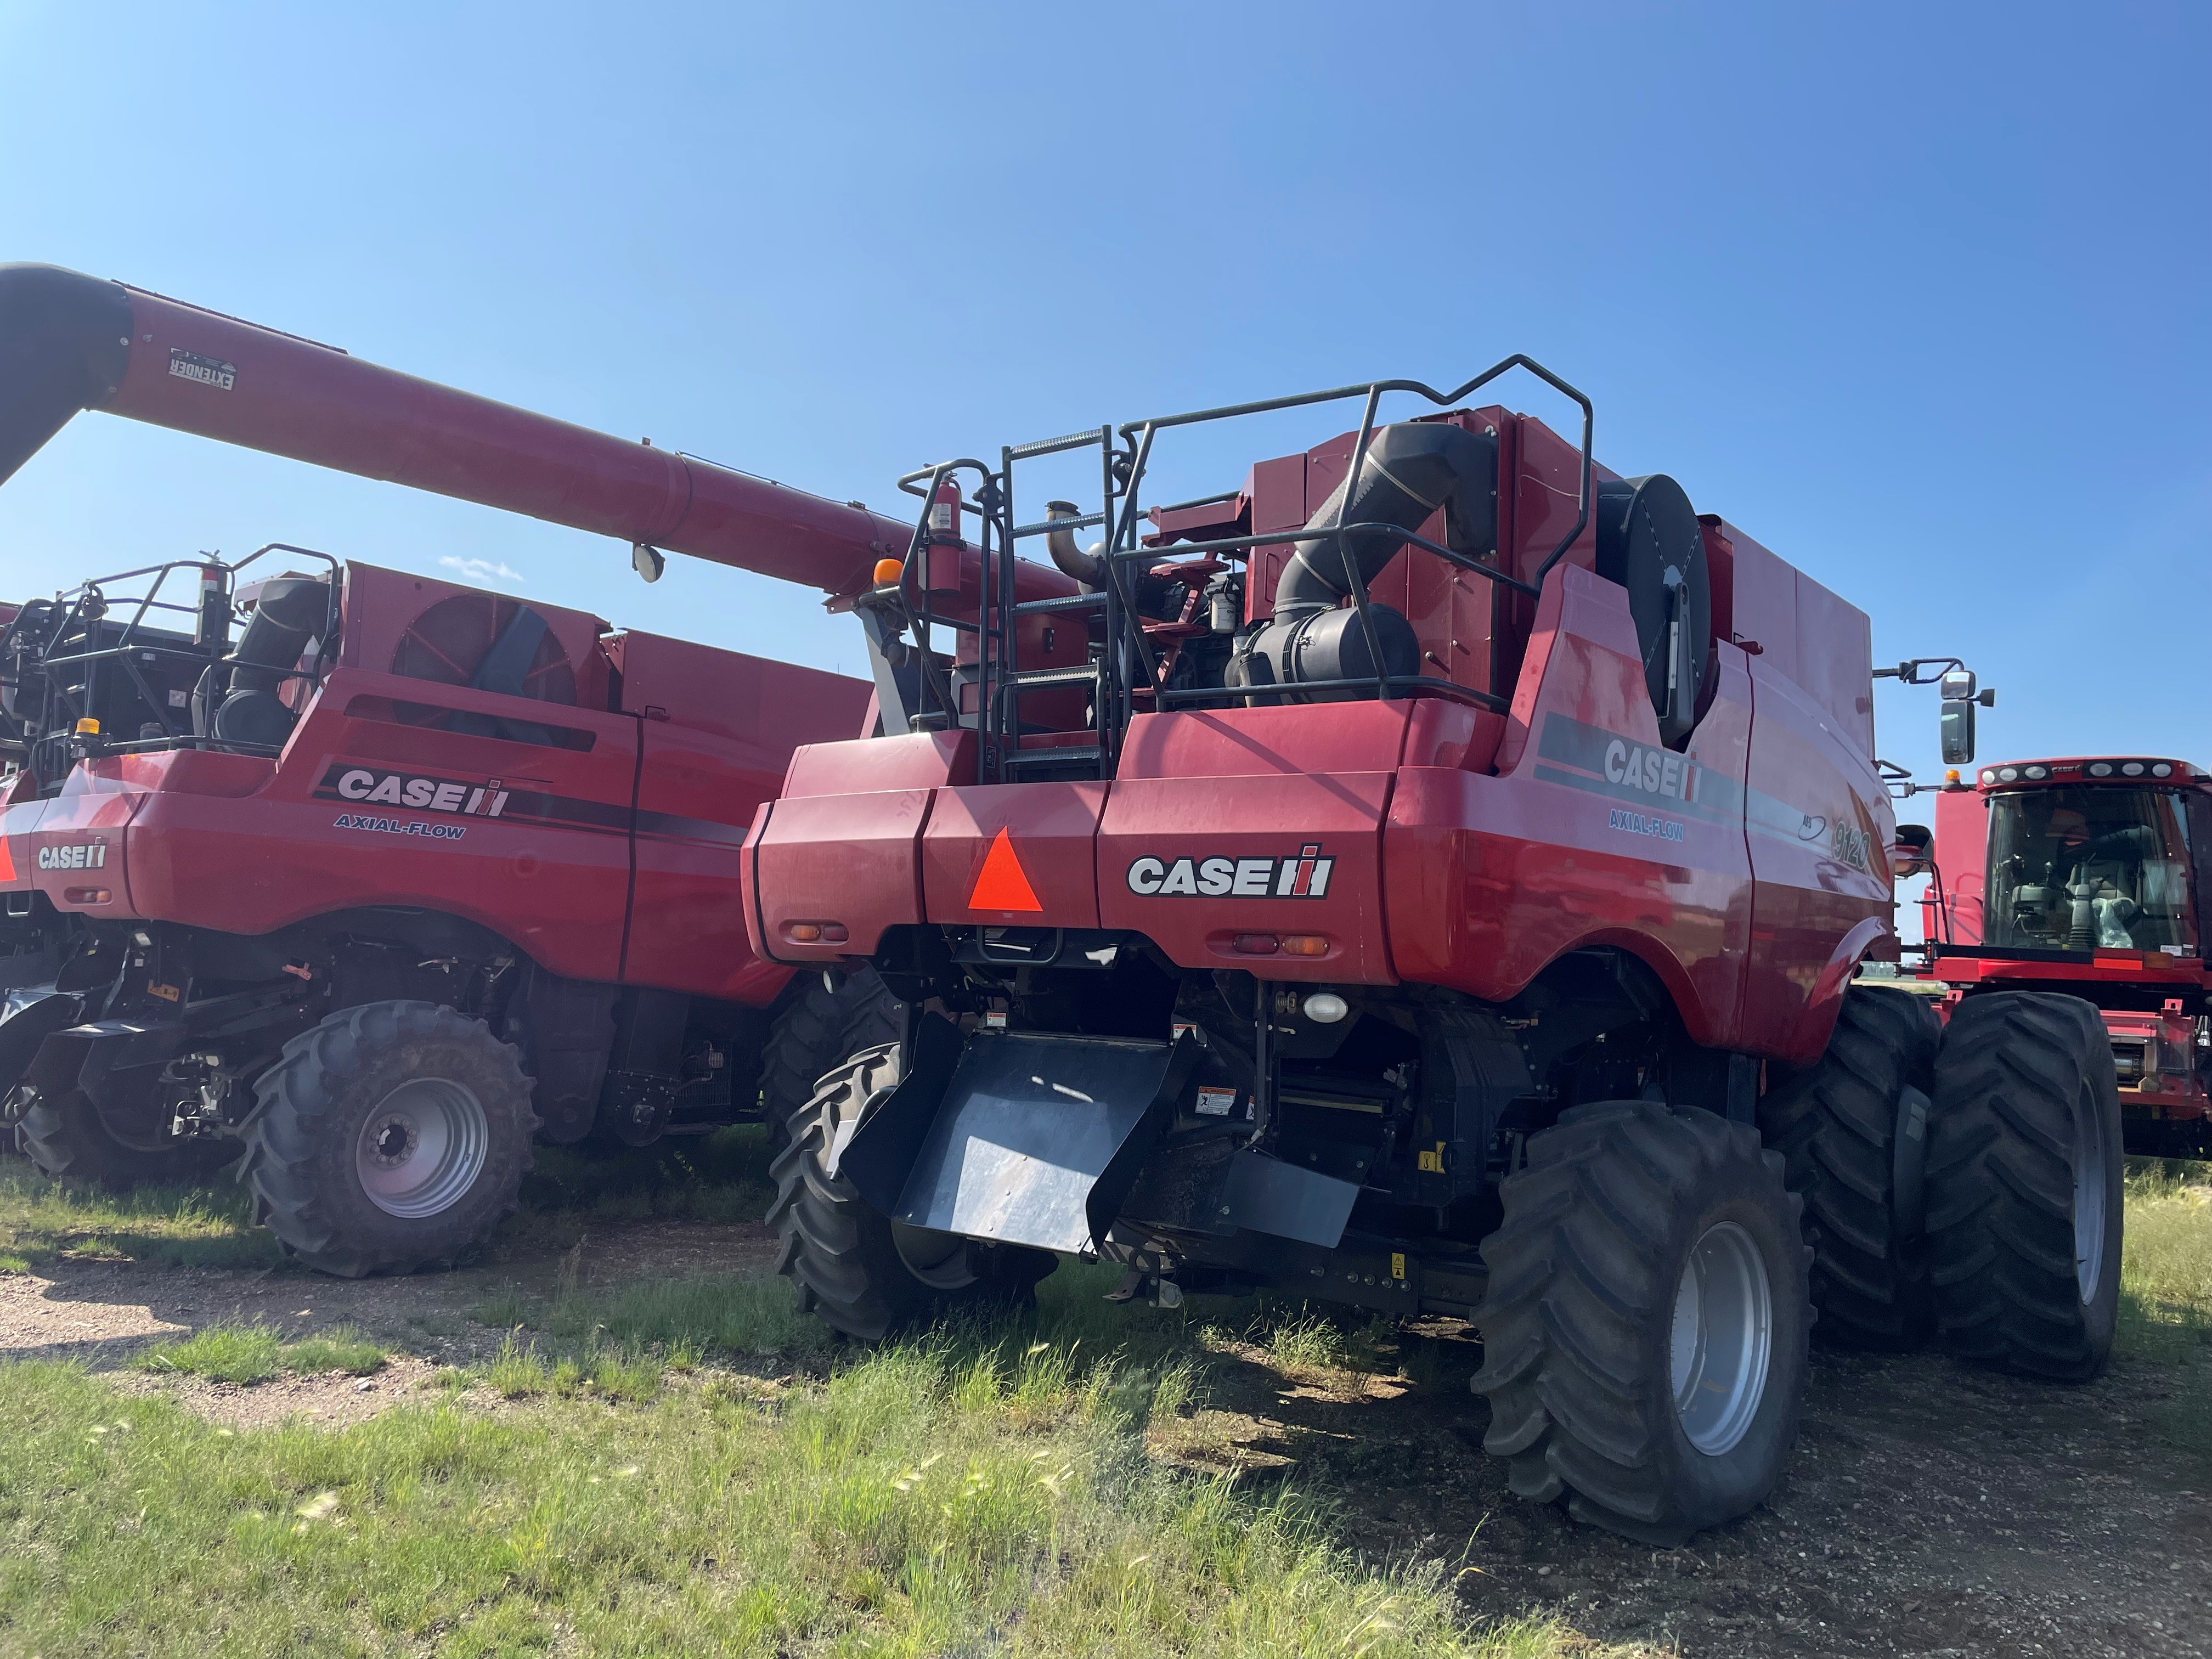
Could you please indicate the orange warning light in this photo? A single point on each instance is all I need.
(887, 571)
(1002, 883)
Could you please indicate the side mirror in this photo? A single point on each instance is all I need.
(1958, 731)
(1915, 852)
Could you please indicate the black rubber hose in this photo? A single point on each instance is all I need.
(64, 345)
(1411, 468)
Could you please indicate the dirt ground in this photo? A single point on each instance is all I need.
(1929, 1508)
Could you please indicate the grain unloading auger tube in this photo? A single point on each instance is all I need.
(70, 343)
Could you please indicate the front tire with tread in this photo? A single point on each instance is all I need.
(1837, 1124)
(2027, 1135)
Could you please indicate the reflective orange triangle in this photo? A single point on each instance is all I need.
(1001, 884)
(6, 861)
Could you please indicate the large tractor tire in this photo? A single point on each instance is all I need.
(66, 1138)
(862, 1273)
(817, 1022)
(392, 1137)
(2024, 1185)
(1852, 1131)
(1645, 1337)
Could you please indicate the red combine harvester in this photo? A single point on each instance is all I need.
(1436, 887)
(402, 871)
(2090, 876)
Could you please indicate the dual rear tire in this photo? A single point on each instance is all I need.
(1654, 1283)
(1966, 1187)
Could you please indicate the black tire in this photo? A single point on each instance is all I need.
(814, 1026)
(1577, 1327)
(859, 1272)
(317, 1105)
(2027, 1136)
(66, 1139)
(1854, 1145)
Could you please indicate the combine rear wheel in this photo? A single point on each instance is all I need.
(1645, 1336)
(864, 1274)
(1852, 1131)
(816, 1023)
(67, 1139)
(2024, 1194)
(390, 1137)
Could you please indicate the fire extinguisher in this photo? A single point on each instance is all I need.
(945, 513)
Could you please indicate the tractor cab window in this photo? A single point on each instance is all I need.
(2081, 869)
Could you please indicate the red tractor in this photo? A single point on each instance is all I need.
(397, 873)
(2090, 876)
(1428, 876)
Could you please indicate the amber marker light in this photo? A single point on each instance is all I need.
(1305, 944)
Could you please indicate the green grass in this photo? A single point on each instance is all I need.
(972, 1492)
(2165, 1288)
(254, 1353)
(41, 1222)
(718, 1177)
(726, 1313)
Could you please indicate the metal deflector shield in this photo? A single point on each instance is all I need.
(1018, 1138)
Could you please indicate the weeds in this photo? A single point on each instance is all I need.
(976, 1489)
(2165, 1288)
(254, 1353)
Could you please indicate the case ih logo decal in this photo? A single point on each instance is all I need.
(1304, 875)
(375, 788)
(83, 855)
(1655, 771)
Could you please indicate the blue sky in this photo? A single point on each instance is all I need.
(1917, 294)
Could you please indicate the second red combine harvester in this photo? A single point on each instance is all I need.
(399, 873)
(1434, 885)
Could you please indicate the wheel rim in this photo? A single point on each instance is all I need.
(1722, 1339)
(939, 1260)
(2088, 1194)
(423, 1148)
